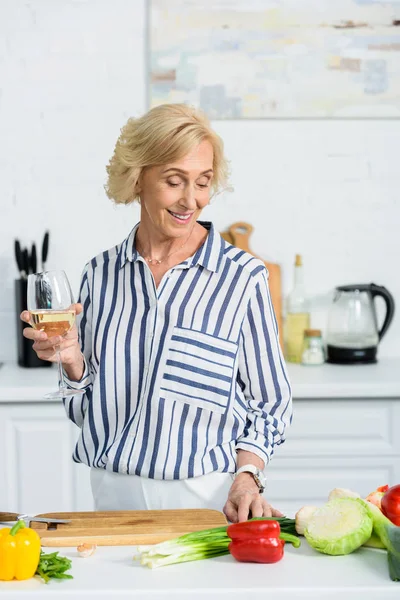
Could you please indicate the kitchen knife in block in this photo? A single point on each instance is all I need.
(238, 234)
(125, 528)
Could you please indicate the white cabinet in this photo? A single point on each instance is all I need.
(37, 473)
(349, 443)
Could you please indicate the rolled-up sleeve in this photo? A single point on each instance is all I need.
(262, 376)
(76, 406)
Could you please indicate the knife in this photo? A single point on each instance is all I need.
(33, 258)
(25, 261)
(45, 249)
(5, 517)
(18, 258)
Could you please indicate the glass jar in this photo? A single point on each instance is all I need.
(313, 348)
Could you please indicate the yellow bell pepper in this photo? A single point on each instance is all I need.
(19, 552)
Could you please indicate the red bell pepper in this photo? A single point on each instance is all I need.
(256, 541)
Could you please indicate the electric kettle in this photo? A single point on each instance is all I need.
(352, 335)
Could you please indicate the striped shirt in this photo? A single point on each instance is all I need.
(178, 378)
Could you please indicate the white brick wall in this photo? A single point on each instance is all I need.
(72, 71)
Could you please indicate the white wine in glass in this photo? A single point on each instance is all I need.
(50, 303)
(53, 322)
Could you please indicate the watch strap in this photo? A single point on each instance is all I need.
(256, 473)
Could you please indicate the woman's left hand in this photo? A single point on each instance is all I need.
(244, 497)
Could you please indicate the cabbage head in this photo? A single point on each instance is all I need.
(339, 527)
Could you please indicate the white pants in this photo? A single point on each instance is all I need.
(115, 491)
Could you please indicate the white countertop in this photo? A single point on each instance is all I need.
(381, 380)
(18, 384)
(302, 574)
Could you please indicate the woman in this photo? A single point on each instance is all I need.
(186, 393)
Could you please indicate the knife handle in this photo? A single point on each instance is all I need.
(8, 516)
(33, 258)
(25, 261)
(45, 249)
(18, 256)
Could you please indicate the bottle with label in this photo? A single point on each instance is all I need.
(297, 316)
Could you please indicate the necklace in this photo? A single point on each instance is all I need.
(158, 261)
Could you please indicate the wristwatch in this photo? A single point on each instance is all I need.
(258, 476)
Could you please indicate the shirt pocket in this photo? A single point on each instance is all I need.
(199, 369)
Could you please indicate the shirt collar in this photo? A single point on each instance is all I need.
(209, 255)
(127, 249)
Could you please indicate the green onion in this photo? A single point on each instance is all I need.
(293, 539)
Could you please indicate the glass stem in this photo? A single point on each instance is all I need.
(61, 384)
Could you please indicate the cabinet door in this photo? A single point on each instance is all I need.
(37, 473)
(293, 483)
(345, 427)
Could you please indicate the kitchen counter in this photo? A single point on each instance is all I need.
(381, 380)
(302, 574)
(18, 384)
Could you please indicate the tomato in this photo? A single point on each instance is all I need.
(391, 504)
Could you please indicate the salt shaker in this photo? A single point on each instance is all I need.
(313, 349)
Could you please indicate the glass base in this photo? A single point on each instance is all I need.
(59, 395)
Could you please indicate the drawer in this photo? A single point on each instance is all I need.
(343, 427)
(293, 483)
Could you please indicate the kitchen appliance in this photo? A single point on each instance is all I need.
(353, 334)
(238, 235)
(124, 527)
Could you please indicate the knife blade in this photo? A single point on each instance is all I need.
(47, 520)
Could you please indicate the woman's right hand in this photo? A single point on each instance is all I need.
(46, 348)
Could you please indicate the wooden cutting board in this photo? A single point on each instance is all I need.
(238, 234)
(125, 528)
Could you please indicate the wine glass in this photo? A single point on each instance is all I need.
(50, 302)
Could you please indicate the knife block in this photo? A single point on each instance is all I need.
(26, 356)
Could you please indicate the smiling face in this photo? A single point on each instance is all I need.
(172, 196)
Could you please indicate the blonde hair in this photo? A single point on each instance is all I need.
(164, 134)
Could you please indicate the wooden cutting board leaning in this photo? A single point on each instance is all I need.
(238, 234)
(124, 528)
